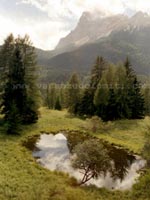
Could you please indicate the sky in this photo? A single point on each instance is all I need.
(46, 21)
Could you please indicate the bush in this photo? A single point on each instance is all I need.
(96, 124)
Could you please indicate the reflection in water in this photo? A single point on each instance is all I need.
(53, 153)
(121, 162)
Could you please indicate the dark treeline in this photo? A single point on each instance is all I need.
(18, 92)
(113, 93)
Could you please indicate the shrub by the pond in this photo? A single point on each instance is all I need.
(92, 159)
(96, 124)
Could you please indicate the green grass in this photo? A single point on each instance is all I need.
(127, 133)
(21, 178)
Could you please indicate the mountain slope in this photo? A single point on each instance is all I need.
(133, 42)
(92, 27)
(89, 29)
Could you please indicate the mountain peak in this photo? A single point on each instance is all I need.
(140, 19)
(140, 14)
(92, 16)
(96, 25)
(85, 17)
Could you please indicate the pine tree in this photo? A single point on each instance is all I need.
(97, 72)
(51, 95)
(101, 98)
(57, 104)
(62, 96)
(14, 94)
(86, 105)
(135, 97)
(146, 94)
(47, 100)
(16, 97)
(73, 93)
(30, 66)
(6, 54)
(137, 101)
(129, 71)
(112, 113)
(122, 97)
(15, 88)
(13, 120)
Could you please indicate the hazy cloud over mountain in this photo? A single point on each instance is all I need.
(46, 21)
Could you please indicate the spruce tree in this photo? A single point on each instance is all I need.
(6, 54)
(51, 95)
(122, 98)
(146, 94)
(135, 97)
(13, 122)
(73, 93)
(112, 113)
(47, 97)
(18, 96)
(101, 98)
(137, 101)
(86, 105)
(30, 66)
(15, 93)
(97, 72)
(57, 104)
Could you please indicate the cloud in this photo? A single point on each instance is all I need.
(78, 6)
(46, 21)
(44, 35)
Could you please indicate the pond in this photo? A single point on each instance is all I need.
(54, 153)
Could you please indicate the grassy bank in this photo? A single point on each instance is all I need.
(127, 133)
(21, 178)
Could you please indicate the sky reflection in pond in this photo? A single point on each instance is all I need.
(52, 152)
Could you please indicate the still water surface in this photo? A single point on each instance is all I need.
(53, 153)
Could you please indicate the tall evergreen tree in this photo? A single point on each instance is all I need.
(137, 101)
(73, 93)
(129, 71)
(19, 89)
(122, 98)
(57, 104)
(97, 72)
(135, 97)
(101, 98)
(15, 92)
(30, 66)
(86, 105)
(47, 98)
(51, 95)
(112, 111)
(146, 94)
(6, 54)
(62, 96)
(13, 122)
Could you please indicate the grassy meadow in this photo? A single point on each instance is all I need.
(22, 178)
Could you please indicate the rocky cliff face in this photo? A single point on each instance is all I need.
(93, 27)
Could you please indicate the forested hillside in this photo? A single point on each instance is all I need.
(133, 43)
